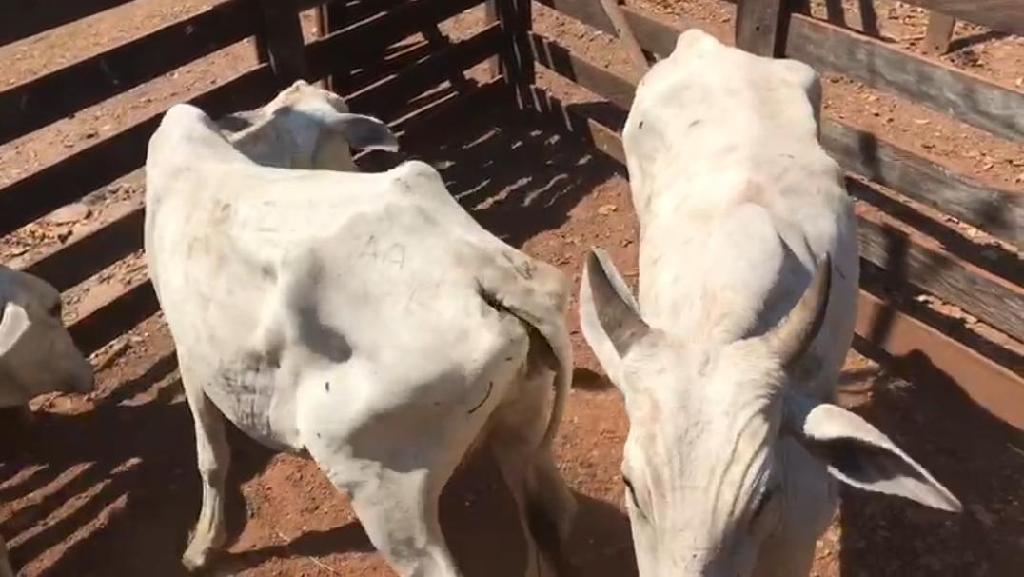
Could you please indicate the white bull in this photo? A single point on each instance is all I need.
(748, 285)
(37, 354)
(363, 319)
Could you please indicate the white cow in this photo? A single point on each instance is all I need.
(37, 354)
(748, 285)
(363, 319)
(305, 127)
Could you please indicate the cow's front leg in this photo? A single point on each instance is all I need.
(399, 512)
(213, 457)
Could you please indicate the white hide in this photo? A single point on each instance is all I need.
(364, 319)
(733, 448)
(305, 127)
(37, 354)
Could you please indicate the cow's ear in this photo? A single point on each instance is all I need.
(609, 316)
(14, 323)
(364, 132)
(858, 454)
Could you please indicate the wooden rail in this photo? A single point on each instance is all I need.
(390, 90)
(993, 386)
(1002, 15)
(965, 96)
(57, 94)
(925, 264)
(901, 254)
(23, 18)
(968, 97)
(997, 211)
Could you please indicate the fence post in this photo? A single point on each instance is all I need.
(761, 26)
(333, 16)
(281, 42)
(939, 33)
(515, 62)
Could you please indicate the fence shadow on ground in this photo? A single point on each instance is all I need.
(117, 490)
(975, 454)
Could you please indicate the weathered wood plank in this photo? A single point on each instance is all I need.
(991, 299)
(652, 35)
(338, 16)
(925, 264)
(760, 26)
(1003, 15)
(23, 18)
(385, 98)
(90, 254)
(60, 93)
(397, 60)
(114, 318)
(939, 33)
(991, 386)
(491, 17)
(600, 81)
(334, 16)
(969, 98)
(282, 39)
(995, 301)
(371, 37)
(996, 211)
(594, 133)
(33, 196)
(517, 66)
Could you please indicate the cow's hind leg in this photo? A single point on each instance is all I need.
(546, 505)
(213, 457)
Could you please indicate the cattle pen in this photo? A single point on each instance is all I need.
(518, 103)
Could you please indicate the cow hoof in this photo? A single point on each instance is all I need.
(196, 556)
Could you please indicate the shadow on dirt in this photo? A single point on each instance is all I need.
(973, 453)
(115, 490)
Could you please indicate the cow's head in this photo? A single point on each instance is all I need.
(705, 478)
(305, 127)
(37, 354)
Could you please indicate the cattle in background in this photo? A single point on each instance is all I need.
(748, 288)
(363, 319)
(37, 355)
(305, 127)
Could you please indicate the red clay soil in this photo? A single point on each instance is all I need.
(106, 485)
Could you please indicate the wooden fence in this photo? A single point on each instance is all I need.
(985, 282)
(409, 84)
(374, 53)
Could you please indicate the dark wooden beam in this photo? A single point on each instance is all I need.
(1002, 15)
(939, 33)
(282, 39)
(31, 197)
(36, 103)
(970, 98)
(23, 18)
(760, 26)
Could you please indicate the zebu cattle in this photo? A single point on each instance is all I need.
(37, 355)
(729, 361)
(363, 319)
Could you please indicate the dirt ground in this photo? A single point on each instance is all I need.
(106, 485)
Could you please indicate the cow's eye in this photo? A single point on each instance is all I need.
(763, 501)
